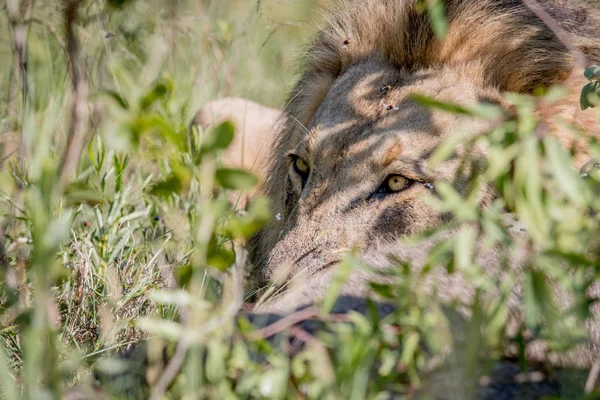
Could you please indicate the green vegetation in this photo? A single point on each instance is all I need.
(129, 235)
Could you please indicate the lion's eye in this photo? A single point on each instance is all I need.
(301, 167)
(394, 183)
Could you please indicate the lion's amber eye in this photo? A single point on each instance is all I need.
(300, 166)
(393, 184)
(396, 183)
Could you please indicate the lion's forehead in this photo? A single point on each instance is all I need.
(366, 89)
(368, 117)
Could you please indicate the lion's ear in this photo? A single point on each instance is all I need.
(254, 130)
(255, 136)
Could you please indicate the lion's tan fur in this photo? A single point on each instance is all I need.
(254, 125)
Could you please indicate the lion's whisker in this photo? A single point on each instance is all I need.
(300, 124)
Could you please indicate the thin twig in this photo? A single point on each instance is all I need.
(590, 383)
(579, 59)
(20, 30)
(50, 28)
(79, 89)
(10, 277)
(562, 35)
(171, 370)
(275, 29)
(305, 337)
(287, 322)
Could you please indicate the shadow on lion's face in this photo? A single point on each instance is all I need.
(359, 175)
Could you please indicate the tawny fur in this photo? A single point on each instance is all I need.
(254, 124)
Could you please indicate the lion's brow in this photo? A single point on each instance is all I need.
(392, 154)
(309, 140)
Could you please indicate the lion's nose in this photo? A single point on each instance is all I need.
(304, 251)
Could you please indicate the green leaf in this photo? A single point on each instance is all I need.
(567, 178)
(384, 291)
(590, 95)
(530, 204)
(446, 150)
(219, 138)
(454, 203)
(341, 276)
(273, 383)
(411, 345)
(81, 193)
(177, 297)
(487, 111)
(592, 72)
(58, 230)
(160, 327)
(158, 91)
(437, 16)
(465, 242)
(183, 275)
(440, 105)
(8, 385)
(120, 100)
(538, 299)
(474, 339)
(236, 179)
(216, 369)
(555, 93)
(220, 258)
(441, 254)
(154, 123)
(499, 160)
(584, 101)
(119, 163)
(165, 188)
(247, 224)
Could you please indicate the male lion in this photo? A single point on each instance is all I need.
(349, 166)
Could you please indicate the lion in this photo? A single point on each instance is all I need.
(349, 164)
(348, 168)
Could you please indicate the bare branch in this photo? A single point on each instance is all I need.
(20, 30)
(171, 370)
(580, 61)
(590, 383)
(287, 322)
(50, 28)
(579, 58)
(79, 90)
(10, 277)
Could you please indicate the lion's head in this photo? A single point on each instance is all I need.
(350, 165)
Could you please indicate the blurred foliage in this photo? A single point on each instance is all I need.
(142, 242)
(590, 94)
